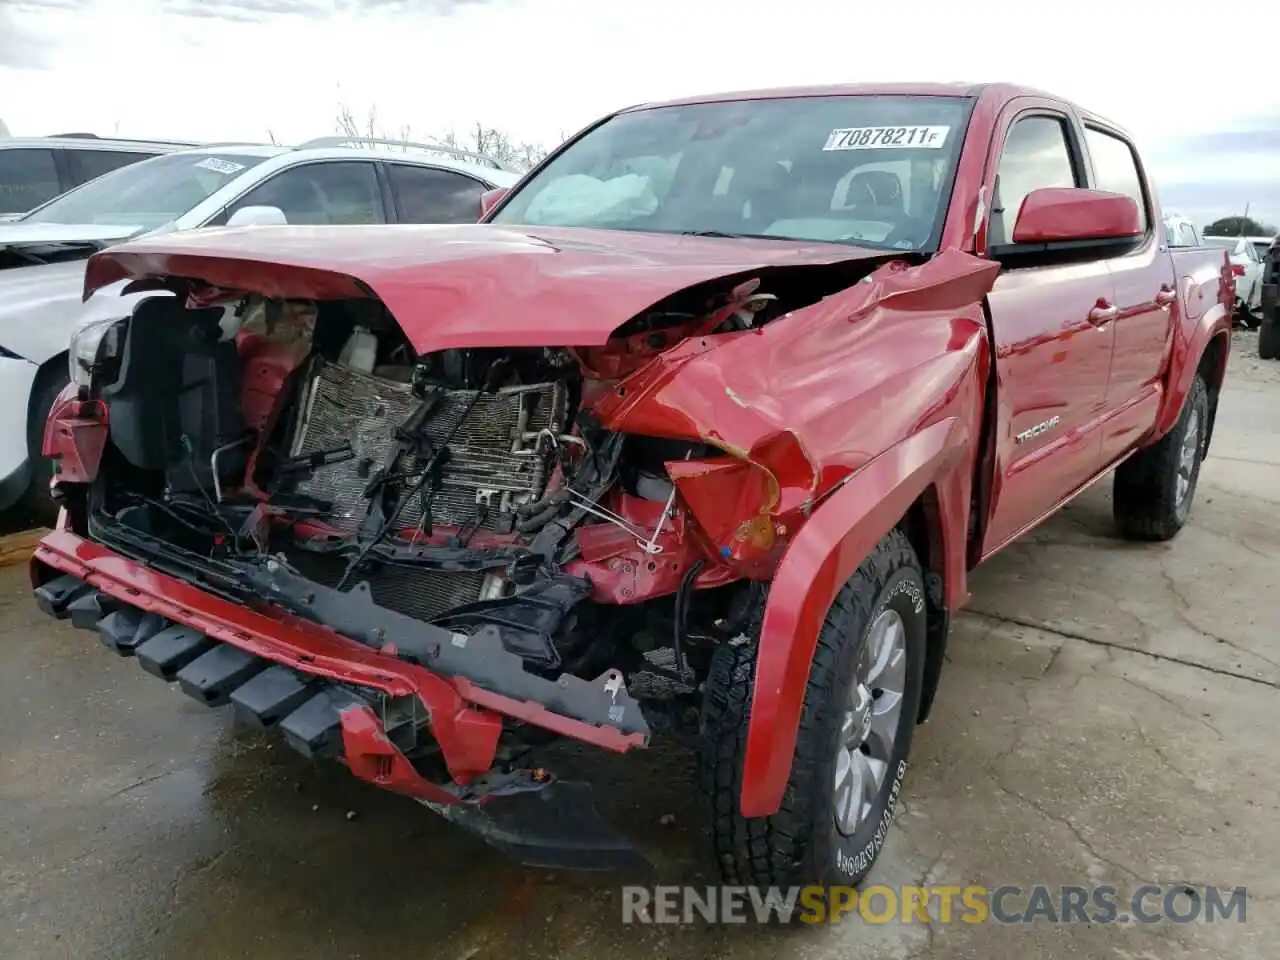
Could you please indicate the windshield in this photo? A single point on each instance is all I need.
(867, 170)
(145, 194)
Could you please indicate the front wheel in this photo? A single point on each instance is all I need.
(859, 714)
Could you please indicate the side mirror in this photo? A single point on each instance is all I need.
(490, 199)
(1065, 214)
(258, 217)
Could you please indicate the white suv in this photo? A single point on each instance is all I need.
(334, 180)
(36, 169)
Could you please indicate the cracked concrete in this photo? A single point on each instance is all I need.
(1106, 717)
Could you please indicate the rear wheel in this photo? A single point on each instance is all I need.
(1155, 487)
(859, 714)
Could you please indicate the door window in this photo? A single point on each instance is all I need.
(1115, 168)
(1036, 155)
(27, 179)
(320, 193)
(90, 164)
(431, 195)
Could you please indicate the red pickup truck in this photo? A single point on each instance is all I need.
(698, 432)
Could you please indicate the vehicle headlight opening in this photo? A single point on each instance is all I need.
(96, 344)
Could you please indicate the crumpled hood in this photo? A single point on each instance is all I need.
(36, 234)
(470, 285)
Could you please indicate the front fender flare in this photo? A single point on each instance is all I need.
(823, 555)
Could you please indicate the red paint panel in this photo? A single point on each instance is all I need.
(1056, 214)
(467, 285)
(75, 436)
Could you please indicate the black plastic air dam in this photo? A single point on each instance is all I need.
(480, 657)
(307, 710)
(543, 823)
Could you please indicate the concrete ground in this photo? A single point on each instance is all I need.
(1107, 716)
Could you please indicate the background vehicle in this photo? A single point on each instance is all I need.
(1246, 267)
(1269, 331)
(36, 169)
(1179, 231)
(333, 180)
(1261, 245)
(712, 415)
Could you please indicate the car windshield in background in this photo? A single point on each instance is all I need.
(146, 194)
(866, 170)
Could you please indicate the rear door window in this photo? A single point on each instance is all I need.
(1115, 168)
(28, 177)
(88, 165)
(432, 195)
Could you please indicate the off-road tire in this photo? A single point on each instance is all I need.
(1146, 503)
(36, 505)
(800, 843)
(1269, 336)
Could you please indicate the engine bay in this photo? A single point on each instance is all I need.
(300, 452)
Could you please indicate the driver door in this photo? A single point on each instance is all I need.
(1053, 335)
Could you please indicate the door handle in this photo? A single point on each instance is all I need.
(1103, 313)
(1166, 295)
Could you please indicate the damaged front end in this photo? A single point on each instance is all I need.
(429, 566)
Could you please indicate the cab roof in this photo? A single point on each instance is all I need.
(952, 89)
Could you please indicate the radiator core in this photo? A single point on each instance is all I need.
(492, 455)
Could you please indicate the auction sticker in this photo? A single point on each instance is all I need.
(218, 165)
(887, 138)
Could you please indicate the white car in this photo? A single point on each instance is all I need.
(333, 180)
(1246, 264)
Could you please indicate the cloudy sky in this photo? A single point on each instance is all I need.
(234, 69)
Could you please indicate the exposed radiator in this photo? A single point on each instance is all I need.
(491, 455)
(415, 593)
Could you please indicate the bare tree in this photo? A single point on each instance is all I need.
(349, 126)
(493, 142)
(488, 141)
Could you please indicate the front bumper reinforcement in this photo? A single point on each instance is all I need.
(317, 678)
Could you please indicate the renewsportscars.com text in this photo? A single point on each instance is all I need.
(938, 903)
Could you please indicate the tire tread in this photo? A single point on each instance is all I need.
(770, 851)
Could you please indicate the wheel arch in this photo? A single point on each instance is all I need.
(921, 485)
(1212, 368)
(1201, 348)
(51, 370)
(922, 524)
